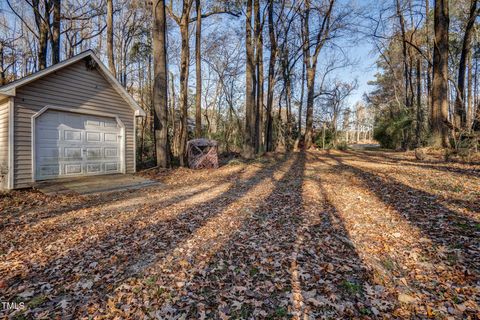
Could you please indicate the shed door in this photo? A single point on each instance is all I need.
(71, 144)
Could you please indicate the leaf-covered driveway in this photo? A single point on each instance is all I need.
(306, 236)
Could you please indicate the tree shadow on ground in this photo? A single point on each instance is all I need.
(433, 165)
(472, 205)
(291, 257)
(441, 225)
(71, 203)
(83, 276)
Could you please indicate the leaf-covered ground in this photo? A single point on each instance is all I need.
(331, 235)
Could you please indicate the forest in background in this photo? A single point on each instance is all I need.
(263, 75)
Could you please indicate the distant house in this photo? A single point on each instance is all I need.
(71, 119)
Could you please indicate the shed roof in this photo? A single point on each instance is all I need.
(9, 90)
(202, 142)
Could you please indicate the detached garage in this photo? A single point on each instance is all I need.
(69, 120)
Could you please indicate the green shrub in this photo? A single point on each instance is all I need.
(391, 132)
(342, 146)
(318, 138)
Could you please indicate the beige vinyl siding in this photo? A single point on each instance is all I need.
(74, 86)
(4, 113)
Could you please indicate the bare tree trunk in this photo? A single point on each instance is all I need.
(56, 31)
(406, 68)
(420, 120)
(111, 62)
(198, 70)
(460, 110)
(249, 143)
(3, 79)
(311, 63)
(288, 100)
(300, 106)
(310, 78)
(469, 91)
(440, 75)
(184, 64)
(429, 50)
(309, 119)
(271, 79)
(259, 71)
(42, 27)
(173, 115)
(160, 100)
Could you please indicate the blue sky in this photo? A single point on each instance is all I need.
(364, 71)
(363, 52)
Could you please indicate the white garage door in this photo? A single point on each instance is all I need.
(71, 144)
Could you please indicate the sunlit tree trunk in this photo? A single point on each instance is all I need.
(111, 62)
(460, 105)
(184, 71)
(42, 23)
(440, 75)
(271, 79)
(310, 61)
(56, 31)
(470, 91)
(198, 70)
(420, 120)
(250, 114)
(160, 84)
(259, 72)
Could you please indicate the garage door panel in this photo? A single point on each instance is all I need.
(110, 124)
(72, 154)
(73, 168)
(112, 166)
(69, 144)
(71, 135)
(111, 152)
(94, 137)
(92, 123)
(94, 153)
(110, 137)
(94, 167)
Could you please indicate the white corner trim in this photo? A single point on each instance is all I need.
(11, 144)
(140, 113)
(75, 110)
(134, 144)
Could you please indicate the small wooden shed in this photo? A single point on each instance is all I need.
(202, 154)
(71, 119)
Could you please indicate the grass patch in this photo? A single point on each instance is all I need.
(235, 162)
(281, 312)
(351, 287)
(388, 264)
(452, 258)
(263, 160)
(151, 281)
(365, 311)
(462, 225)
(36, 301)
(245, 312)
(253, 271)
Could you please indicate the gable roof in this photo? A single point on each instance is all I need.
(9, 90)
